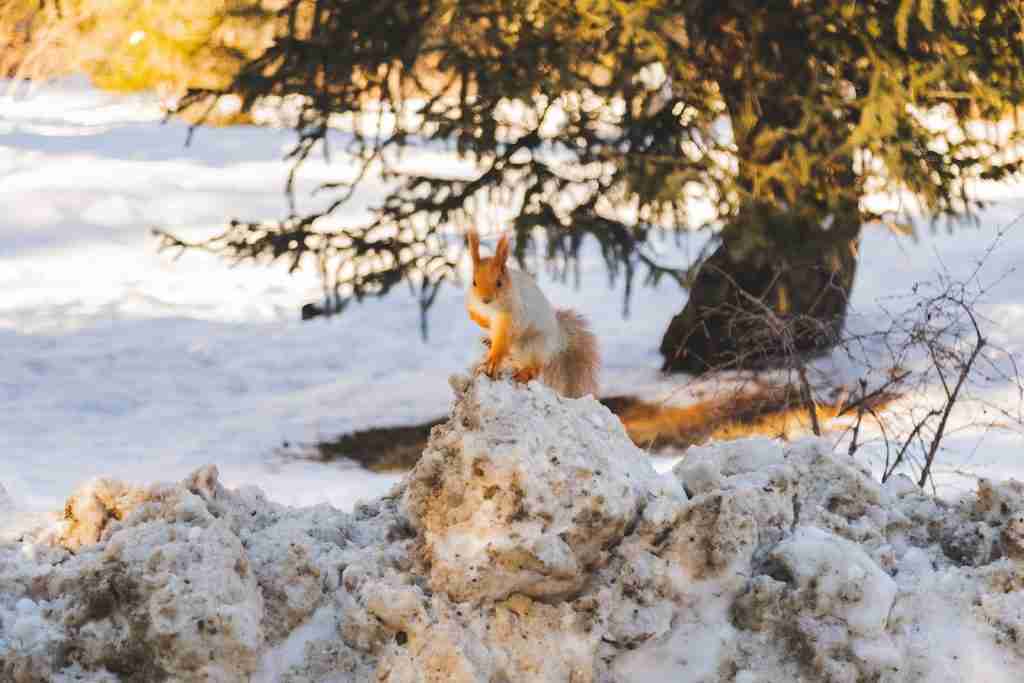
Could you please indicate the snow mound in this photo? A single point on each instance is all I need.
(532, 542)
(521, 492)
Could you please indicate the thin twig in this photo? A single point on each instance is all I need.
(860, 417)
(937, 438)
(808, 400)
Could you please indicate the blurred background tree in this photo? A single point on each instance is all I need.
(773, 123)
(135, 45)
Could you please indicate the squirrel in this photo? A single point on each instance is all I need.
(526, 333)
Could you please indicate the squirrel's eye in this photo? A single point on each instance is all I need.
(499, 282)
(474, 282)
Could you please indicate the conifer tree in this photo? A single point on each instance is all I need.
(770, 121)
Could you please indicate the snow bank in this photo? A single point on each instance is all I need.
(532, 542)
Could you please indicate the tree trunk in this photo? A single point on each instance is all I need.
(777, 285)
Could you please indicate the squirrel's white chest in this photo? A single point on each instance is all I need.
(528, 310)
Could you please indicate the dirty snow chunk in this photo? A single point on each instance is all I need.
(92, 507)
(945, 630)
(26, 628)
(289, 654)
(522, 491)
(517, 639)
(164, 592)
(699, 644)
(531, 543)
(296, 571)
(845, 582)
(996, 500)
(734, 457)
(901, 485)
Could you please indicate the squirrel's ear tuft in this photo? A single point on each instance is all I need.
(501, 253)
(474, 245)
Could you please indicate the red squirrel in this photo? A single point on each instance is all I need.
(527, 335)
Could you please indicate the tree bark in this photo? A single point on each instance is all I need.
(767, 260)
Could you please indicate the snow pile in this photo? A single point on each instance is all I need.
(532, 542)
(520, 492)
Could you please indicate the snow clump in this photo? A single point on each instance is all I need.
(532, 542)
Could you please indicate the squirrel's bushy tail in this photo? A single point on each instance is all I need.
(573, 371)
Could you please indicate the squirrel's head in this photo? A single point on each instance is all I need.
(490, 275)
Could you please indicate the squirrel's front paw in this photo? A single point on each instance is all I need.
(490, 367)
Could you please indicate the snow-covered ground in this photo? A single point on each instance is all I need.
(118, 360)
